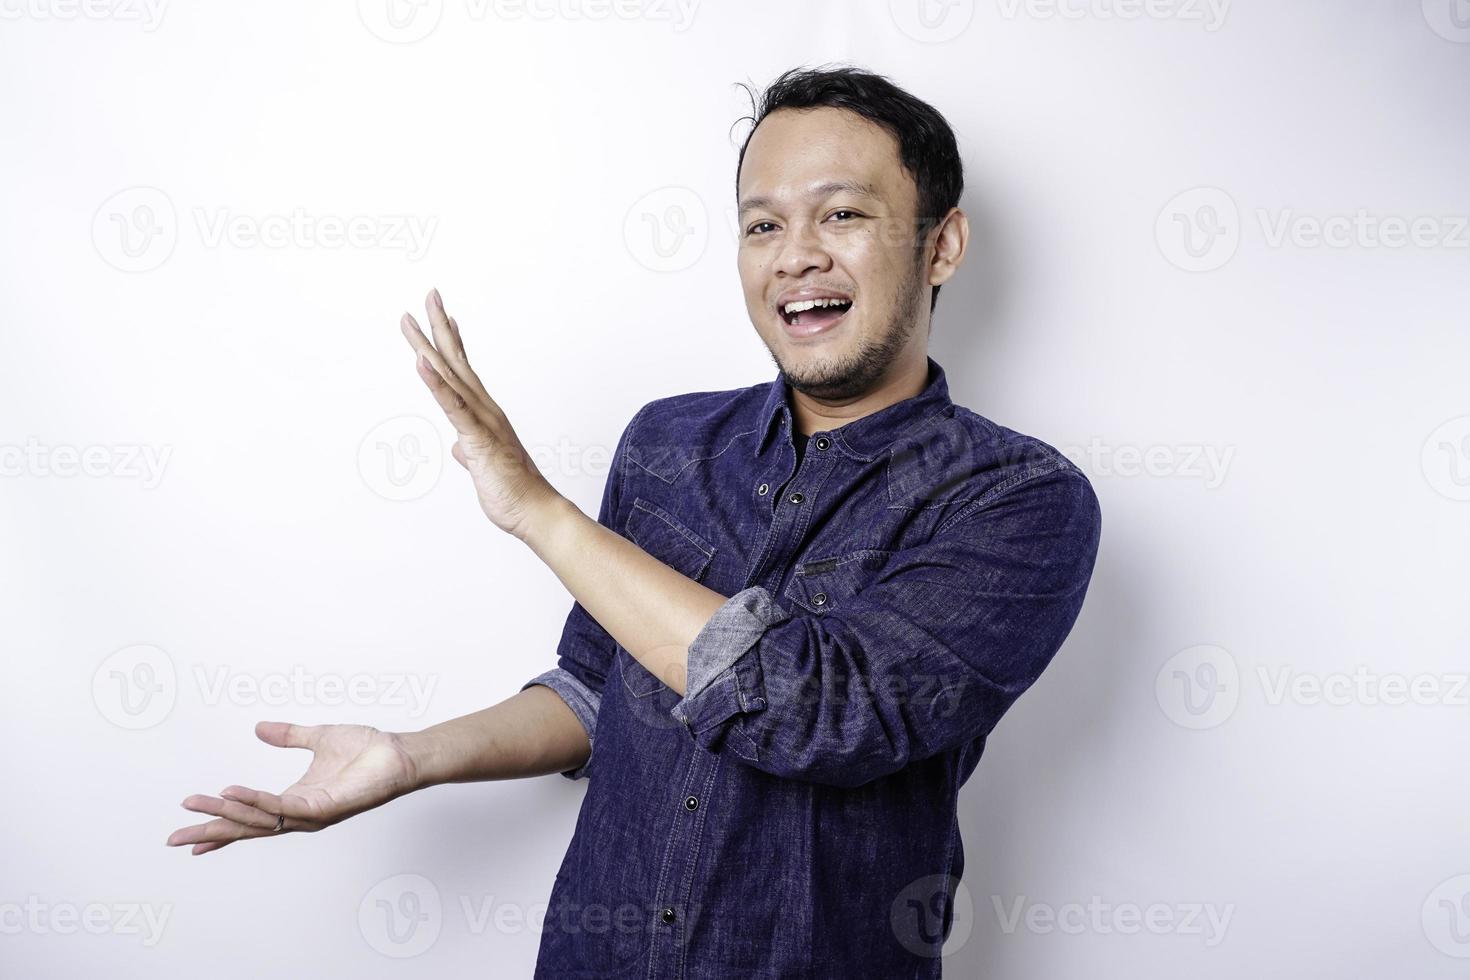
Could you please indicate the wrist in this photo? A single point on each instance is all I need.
(423, 755)
(546, 521)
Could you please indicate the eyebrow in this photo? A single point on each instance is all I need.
(822, 190)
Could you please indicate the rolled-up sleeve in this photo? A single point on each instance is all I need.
(925, 658)
(585, 653)
(583, 701)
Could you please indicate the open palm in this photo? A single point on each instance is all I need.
(354, 768)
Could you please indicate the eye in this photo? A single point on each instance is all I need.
(752, 229)
(845, 211)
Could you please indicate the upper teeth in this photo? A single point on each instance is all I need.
(807, 304)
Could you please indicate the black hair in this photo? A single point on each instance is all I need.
(926, 144)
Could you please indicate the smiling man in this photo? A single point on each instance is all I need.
(801, 610)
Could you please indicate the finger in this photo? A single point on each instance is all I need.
(208, 846)
(457, 451)
(451, 344)
(214, 830)
(424, 348)
(287, 735)
(294, 807)
(230, 810)
(456, 409)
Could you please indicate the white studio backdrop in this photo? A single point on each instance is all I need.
(1220, 257)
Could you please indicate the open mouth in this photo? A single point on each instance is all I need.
(811, 315)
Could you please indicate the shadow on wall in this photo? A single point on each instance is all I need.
(1037, 761)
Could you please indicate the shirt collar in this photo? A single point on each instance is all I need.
(871, 435)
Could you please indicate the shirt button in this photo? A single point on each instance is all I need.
(820, 599)
(763, 489)
(691, 803)
(796, 498)
(757, 703)
(823, 442)
(667, 915)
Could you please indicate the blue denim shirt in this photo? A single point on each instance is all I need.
(793, 814)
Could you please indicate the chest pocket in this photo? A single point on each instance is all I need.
(828, 584)
(674, 543)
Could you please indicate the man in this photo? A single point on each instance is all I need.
(801, 610)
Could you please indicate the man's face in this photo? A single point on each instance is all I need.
(828, 210)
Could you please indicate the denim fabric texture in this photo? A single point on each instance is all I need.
(891, 594)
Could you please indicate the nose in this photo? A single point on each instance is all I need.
(802, 252)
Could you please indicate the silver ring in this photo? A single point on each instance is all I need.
(280, 822)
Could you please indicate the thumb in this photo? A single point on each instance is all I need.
(287, 735)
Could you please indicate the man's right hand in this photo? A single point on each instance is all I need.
(354, 768)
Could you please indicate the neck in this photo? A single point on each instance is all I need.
(904, 381)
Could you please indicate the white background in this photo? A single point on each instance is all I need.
(1231, 728)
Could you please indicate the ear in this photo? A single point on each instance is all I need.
(950, 238)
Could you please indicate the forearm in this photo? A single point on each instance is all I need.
(649, 608)
(531, 733)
